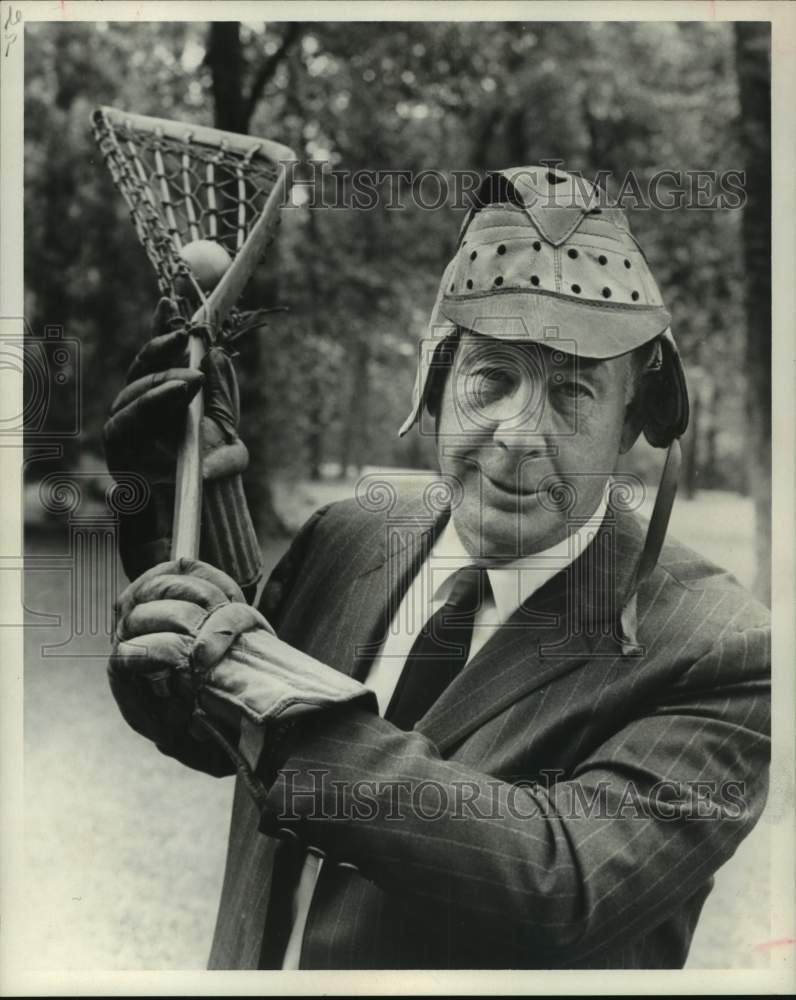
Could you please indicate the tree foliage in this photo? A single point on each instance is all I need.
(332, 377)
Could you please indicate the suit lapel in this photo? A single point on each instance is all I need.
(396, 548)
(570, 621)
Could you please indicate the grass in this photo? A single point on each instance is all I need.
(125, 848)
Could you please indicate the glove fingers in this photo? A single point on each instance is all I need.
(234, 617)
(166, 317)
(134, 703)
(166, 351)
(145, 434)
(222, 402)
(191, 568)
(225, 461)
(145, 654)
(203, 570)
(221, 629)
(205, 593)
(161, 616)
(159, 391)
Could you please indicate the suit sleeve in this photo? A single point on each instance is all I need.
(608, 852)
(286, 572)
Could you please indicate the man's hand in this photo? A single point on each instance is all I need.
(187, 621)
(166, 721)
(143, 434)
(144, 429)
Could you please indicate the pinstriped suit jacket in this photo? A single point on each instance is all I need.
(550, 811)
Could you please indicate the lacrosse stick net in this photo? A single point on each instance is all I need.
(184, 183)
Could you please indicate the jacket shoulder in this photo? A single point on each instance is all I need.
(689, 596)
(390, 496)
(698, 574)
(346, 534)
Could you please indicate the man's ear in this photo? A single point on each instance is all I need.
(635, 418)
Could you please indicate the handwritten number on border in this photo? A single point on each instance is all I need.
(13, 17)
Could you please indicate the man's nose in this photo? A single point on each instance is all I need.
(523, 419)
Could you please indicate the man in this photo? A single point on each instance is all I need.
(504, 724)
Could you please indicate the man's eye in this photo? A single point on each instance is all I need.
(488, 382)
(567, 389)
(492, 374)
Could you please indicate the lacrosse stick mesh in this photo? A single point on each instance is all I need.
(183, 184)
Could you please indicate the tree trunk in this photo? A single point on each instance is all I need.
(225, 59)
(233, 113)
(315, 438)
(753, 65)
(710, 463)
(691, 450)
(354, 424)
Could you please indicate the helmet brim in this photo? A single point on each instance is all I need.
(597, 330)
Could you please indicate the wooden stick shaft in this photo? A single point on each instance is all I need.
(188, 490)
(188, 486)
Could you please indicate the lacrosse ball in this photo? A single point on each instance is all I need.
(208, 262)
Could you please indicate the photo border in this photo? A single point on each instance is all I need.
(779, 811)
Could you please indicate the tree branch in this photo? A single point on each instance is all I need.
(269, 67)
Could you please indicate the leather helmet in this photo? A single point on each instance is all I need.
(540, 257)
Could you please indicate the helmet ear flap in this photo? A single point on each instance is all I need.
(432, 373)
(666, 396)
(439, 371)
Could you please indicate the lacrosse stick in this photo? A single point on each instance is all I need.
(184, 184)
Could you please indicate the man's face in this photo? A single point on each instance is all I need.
(531, 434)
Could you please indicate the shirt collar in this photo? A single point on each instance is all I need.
(515, 582)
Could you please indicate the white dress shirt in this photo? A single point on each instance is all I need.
(511, 585)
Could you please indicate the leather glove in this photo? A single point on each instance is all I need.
(188, 619)
(143, 434)
(167, 721)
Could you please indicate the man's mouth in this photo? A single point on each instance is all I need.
(512, 488)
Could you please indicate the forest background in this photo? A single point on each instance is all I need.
(326, 384)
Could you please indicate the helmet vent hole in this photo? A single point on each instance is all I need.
(627, 263)
(634, 296)
(603, 259)
(470, 283)
(498, 280)
(534, 279)
(576, 289)
(537, 245)
(452, 287)
(501, 249)
(606, 293)
(572, 253)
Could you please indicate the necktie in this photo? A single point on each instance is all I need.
(440, 650)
